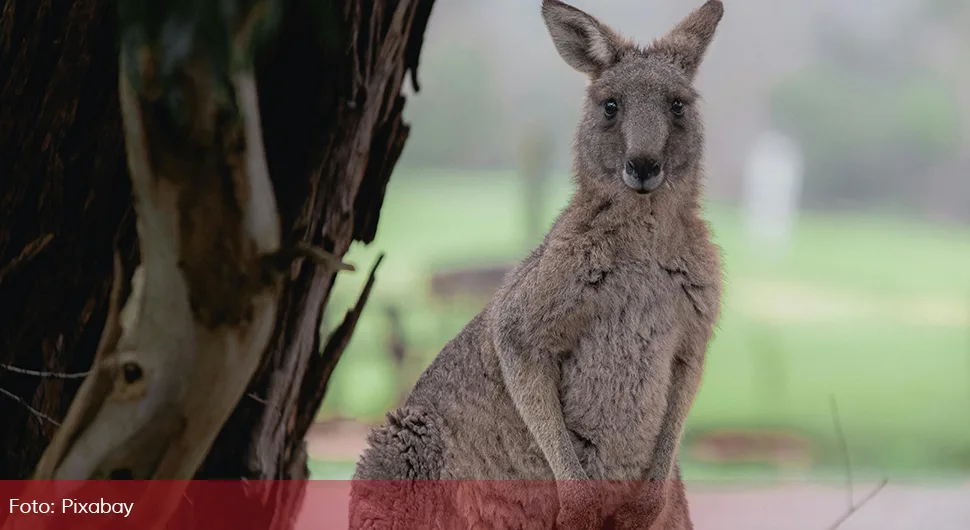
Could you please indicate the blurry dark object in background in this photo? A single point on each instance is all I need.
(476, 283)
(397, 348)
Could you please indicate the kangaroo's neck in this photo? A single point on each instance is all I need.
(656, 221)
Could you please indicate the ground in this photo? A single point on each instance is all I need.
(803, 506)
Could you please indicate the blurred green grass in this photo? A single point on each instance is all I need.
(870, 309)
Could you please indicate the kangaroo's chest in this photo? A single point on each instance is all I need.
(613, 386)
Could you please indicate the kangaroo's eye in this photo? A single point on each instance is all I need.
(610, 108)
(677, 107)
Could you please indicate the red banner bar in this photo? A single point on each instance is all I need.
(30, 505)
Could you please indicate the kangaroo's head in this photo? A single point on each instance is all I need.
(640, 126)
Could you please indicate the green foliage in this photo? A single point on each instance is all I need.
(864, 137)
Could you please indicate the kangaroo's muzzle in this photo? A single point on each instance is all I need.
(643, 175)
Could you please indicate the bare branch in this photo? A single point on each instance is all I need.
(256, 398)
(853, 507)
(42, 374)
(840, 434)
(317, 255)
(315, 381)
(30, 409)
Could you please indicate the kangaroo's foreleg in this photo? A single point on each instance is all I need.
(685, 380)
(659, 493)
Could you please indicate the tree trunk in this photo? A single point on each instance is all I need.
(330, 99)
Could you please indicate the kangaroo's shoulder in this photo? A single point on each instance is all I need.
(566, 258)
(696, 267)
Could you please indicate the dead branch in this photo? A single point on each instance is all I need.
(855, 507)
(43, 374)
(38, 414)
(317, 376)
(315, 254)
(843, 443)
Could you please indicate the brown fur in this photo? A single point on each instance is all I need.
(586, 362)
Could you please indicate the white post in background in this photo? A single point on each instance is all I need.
(772, 189)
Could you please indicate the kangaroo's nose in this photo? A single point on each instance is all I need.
(642, 168)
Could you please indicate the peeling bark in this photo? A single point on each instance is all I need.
(330, 99)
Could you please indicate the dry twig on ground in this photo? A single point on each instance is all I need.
(853, 506)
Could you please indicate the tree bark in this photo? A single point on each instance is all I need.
(331, 103)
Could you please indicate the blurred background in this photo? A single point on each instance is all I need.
(838, 188)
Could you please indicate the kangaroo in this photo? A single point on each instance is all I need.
(585, 363)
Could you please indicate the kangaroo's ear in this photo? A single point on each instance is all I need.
(584, 43)
(686, 44)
